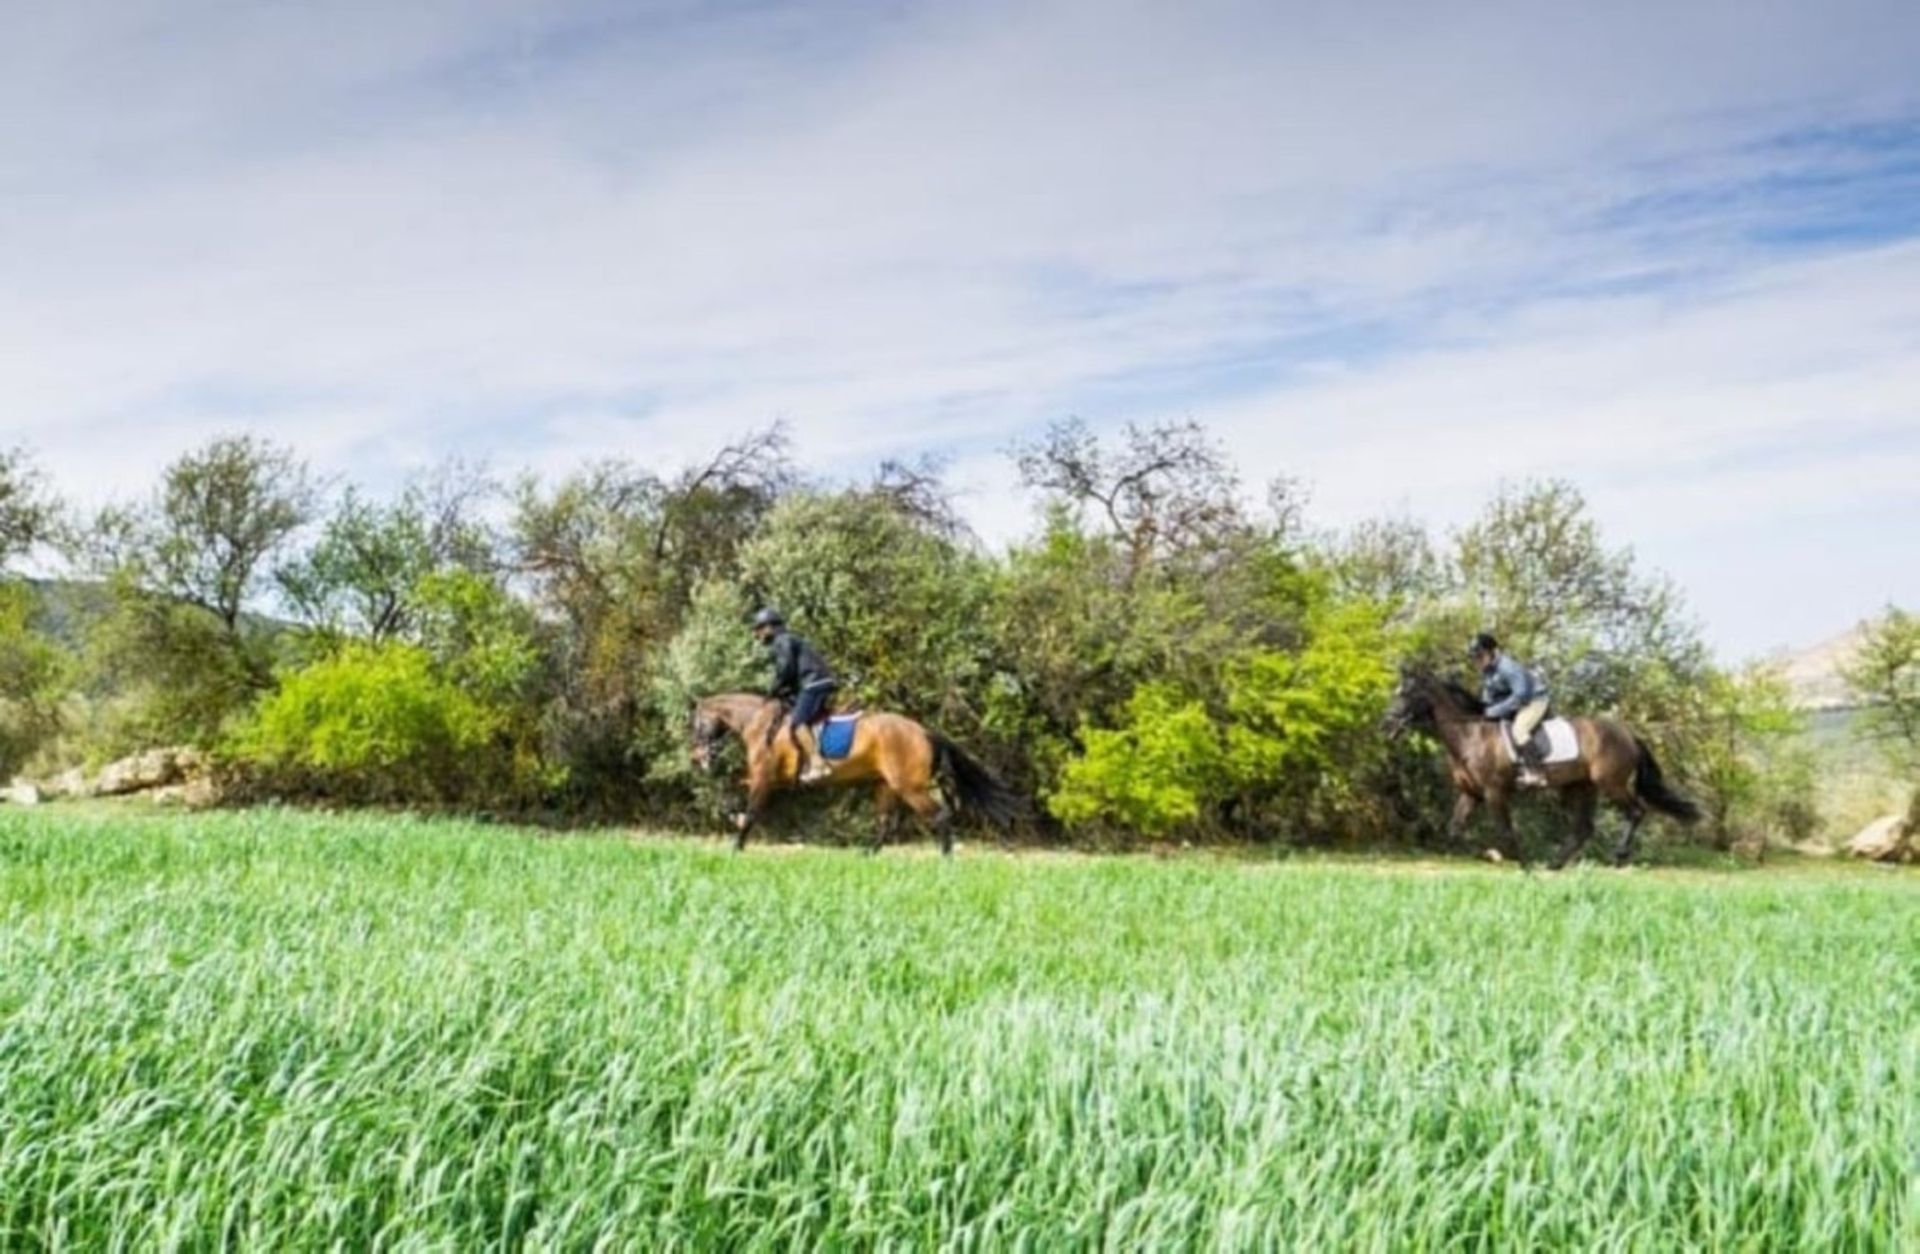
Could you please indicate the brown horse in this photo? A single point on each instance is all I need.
(899, 757)
(1612, 763)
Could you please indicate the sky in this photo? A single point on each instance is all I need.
(1404, 252)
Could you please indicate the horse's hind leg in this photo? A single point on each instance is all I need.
(1581, 800)
(886, 806)
(934, 815)
(1636, 814)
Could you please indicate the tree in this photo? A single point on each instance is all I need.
(184, 644)
(1534, 570)
(1389, 562)
(1165, 489)
(899, 606)
(1885, 678)
(613, 555)
(29, 516)
(223, 514)
(1743, 759)
(360, 577)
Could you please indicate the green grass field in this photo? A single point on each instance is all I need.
(294, 1031)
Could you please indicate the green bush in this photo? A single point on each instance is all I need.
(33, 678)
(375, 722)
(1289, 748)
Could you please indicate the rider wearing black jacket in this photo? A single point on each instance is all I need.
(801, 676)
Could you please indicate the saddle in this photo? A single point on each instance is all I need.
(835, 736)
(1554, 742)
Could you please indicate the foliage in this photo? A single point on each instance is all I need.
(1303, 726)
(1159, 655)
(34, 679)
(898, 606)
(1154, 772)
(1535, 569)
(29, 515)
(612, 555)
(1288, 749)
(374, 722)
(163, 672)
(360, 578)
(1885, 677)
(1165, 490)
(1748, 763)
(290, 1031)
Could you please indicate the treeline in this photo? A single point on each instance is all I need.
(1158, 656)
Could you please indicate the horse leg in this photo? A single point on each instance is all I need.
(759, 788)
(1581, 800)
(1636, 812)
(886, 805)
(1463, 807)
(1499, 806)
(929, 811)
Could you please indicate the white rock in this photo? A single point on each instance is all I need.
(20, 793)
(1883, 840)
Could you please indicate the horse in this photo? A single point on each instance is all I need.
(899, 757)
(1613, 763)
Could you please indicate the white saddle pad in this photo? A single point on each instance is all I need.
(1562, 744)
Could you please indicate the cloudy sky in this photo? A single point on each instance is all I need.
(1404, 251)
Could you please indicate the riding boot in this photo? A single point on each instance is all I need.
(814, 766)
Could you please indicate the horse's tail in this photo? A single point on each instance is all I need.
(972, 786)
(1653, 788)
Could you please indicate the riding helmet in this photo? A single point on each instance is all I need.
(768, 618)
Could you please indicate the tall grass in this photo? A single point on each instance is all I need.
(297, 1032)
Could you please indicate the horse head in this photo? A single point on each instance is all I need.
(706, 732)
(1416, 702)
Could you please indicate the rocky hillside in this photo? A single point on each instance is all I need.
(1814, 673)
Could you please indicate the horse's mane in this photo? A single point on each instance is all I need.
(1454, 693)
(1465, 699)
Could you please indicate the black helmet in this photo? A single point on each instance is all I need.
(1483, 643)
(768, 618)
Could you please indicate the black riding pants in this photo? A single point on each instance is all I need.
(811, 704)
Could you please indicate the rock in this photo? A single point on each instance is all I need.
(1883, 840)
(20, 793)
(72, 784)
(197, 793)
(156, 768)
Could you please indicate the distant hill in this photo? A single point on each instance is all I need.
(1814, 673)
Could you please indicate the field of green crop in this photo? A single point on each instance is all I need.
(294, 1031)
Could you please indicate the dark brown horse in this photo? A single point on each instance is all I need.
(900, 758)
(1613, 763)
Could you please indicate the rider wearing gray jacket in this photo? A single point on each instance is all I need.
(1511, 691)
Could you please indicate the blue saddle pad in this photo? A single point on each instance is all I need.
(836, 736)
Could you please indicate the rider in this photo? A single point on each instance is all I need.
(801, 676)
(1511, 691)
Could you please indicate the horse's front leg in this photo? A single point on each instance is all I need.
(1499, 805)
(1463, 807)
(759, 788)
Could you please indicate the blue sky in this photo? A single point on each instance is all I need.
(1403, 252)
